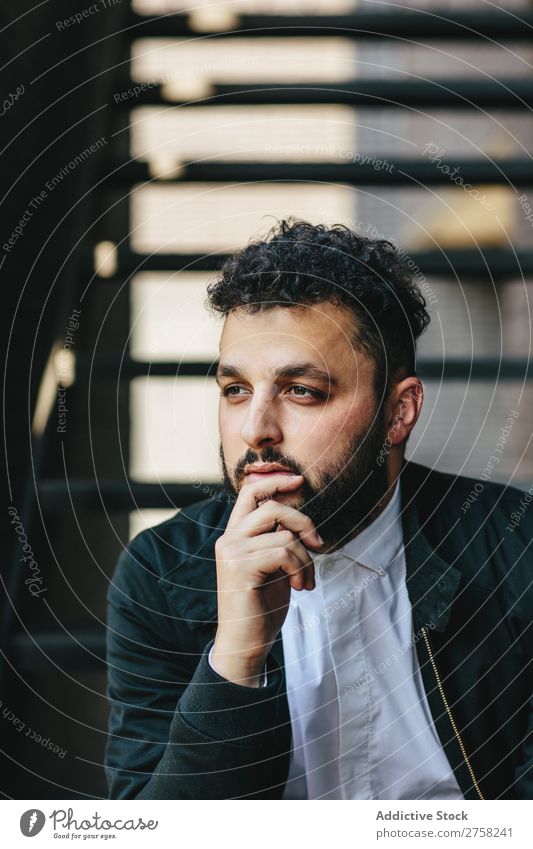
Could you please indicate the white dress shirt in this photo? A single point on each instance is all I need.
(361, 723)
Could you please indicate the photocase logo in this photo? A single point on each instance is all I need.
(32, 822)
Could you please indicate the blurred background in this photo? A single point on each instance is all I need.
(141, 143)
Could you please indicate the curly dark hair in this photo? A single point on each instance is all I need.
(300, 264)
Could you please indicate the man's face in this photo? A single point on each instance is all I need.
(294, 391)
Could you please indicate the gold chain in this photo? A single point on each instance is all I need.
(450, 716)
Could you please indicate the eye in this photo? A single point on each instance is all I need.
(312, 393)
(298, 391)
(227, 391)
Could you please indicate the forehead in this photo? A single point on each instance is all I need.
(306, 324)
(320, 333)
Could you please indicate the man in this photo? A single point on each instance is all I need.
(336, 622)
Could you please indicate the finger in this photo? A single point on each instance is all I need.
(267, 562)
(263, 561)
(273, 564)
(264, 518)
(283, 537)
(310, 582)
(299, 549)
(251, 492)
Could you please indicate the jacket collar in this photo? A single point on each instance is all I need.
(431, 581)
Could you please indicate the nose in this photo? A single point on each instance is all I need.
(261, 423)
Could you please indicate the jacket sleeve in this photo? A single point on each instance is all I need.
(173, 735)
(524, 772)
(523, 786)
(519, 599)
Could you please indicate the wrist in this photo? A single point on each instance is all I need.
(237, 666)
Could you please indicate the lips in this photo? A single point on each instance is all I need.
(268, 468)
(265, 470)
(257, 476)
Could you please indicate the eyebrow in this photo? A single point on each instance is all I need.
(307, 369)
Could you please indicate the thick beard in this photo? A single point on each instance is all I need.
(347, 496)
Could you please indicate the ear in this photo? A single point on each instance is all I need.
(403, 409)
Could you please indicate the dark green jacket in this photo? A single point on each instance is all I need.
(179, 731)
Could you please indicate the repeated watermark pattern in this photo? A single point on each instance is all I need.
(493, 461)
(11, 99)
(518, 515)
(182, 76)
(332, 153)
(40, 197)
(342, 602)
(34, 581)
(387, 444)
(386, 664)
(435, 155)
(30, 733)
(525, 206)
(370, 231)
(63, 365)
(79, 17)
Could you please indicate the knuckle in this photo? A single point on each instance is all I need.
(220, 550)
(291, 557)
(229, 557)
(287, 536)
(233, 571)
(262, 498)
(265, 509)
(220, 543)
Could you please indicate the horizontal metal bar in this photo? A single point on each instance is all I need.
(128, 369)
(365, 169)
(455, 264)
(115, 495)
(486, 368)
(434, 94)
(412, 25)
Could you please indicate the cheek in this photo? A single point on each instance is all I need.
(228, 421)
(336, 430)
(357, 417)
(318, 443)
(229, 429)
(335, 426)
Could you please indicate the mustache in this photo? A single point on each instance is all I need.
(269, 455)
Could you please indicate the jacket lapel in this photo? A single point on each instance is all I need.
(432, 584)
(431, 581)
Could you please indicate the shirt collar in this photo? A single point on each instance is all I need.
(379, 543)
